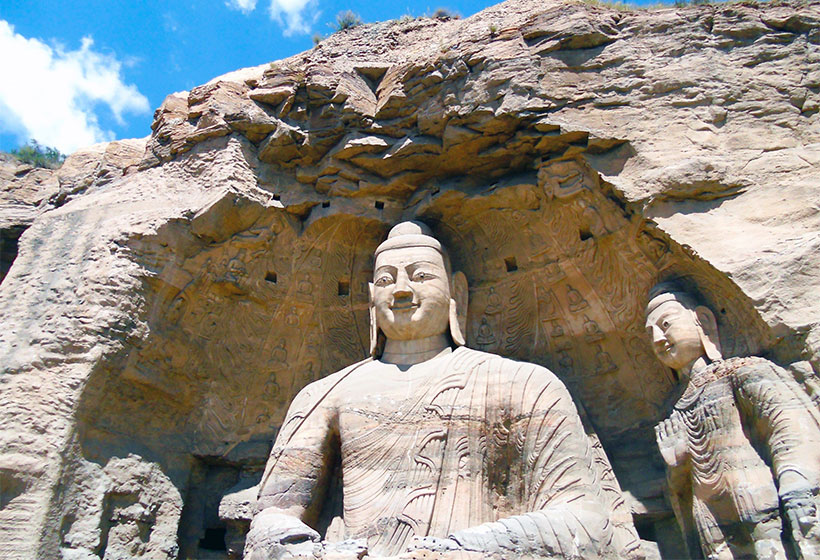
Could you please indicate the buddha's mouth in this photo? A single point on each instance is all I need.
(663, 350)
(403, 306)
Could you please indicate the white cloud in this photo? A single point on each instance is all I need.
(296, 15)
(244, 6)
(51, 94)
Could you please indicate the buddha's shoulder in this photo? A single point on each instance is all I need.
(505, 377)
(321, 388)
(475, 358)
(741, 366)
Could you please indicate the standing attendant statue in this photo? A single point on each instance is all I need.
(742, 451)
(440, 447)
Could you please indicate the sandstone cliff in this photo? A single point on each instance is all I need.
(168, 302)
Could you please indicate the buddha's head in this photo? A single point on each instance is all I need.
(681, 330)
(414, 293)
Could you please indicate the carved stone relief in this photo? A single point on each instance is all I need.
(167, 303)
(554, 280)
(442, 449)
(742, 443)
(557, 285)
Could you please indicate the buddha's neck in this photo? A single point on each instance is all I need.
(410, 352)
(694, 369)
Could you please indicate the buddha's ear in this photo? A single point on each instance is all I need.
(374, 328)
(709, 336)
(459, 295)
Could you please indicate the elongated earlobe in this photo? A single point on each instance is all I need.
(459, 294)
(374, 328)
(709, 337)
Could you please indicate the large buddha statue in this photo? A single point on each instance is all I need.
(742, 448)
(439, 447)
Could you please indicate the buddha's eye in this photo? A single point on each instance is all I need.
(384, 280)
(665, 325)
(421, 276)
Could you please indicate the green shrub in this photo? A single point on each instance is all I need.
(39, 156)
(347, 20)
(444, 13)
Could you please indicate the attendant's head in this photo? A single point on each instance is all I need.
(681, 330)
(414, 294)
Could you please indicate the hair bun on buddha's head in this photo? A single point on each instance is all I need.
(410, 228)
(410, 234)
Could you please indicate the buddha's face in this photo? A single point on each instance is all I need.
(675, 335)
(411, 293)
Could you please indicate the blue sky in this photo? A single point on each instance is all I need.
(75, 73)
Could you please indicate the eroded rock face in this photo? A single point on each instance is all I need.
(164, 314)
(27, 191)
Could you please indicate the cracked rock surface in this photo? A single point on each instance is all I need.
(169, 296)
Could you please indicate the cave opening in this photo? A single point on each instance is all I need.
(213, 539)
(202, 534)
(9, 240)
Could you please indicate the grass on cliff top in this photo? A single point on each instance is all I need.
(38, 155)
(349, 19)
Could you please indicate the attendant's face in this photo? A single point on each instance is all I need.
(411, 293)
(675, 335)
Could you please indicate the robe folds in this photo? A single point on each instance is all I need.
(484, 450)
(752, 456)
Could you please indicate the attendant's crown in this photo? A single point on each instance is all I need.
(669, 291)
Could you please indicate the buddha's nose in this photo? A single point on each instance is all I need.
(402, 290)
(657, 335)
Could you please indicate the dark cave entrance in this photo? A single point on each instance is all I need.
(9, 239)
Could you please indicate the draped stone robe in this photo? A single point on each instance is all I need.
(745, 429)
(483, 449)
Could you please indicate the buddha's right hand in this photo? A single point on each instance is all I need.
(670, 435)
(271, 532)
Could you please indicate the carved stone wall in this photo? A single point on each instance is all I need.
(159, 323)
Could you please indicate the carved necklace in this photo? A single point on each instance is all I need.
(711, 372)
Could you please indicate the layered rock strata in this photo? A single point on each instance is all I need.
(161, 315)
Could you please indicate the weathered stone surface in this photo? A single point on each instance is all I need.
(28, 191)
(574, 155)
(440, 448)
(742, 444)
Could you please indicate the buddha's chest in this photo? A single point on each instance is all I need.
(710, 413)
(405, 403)
(403, 427)
(717, 442)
